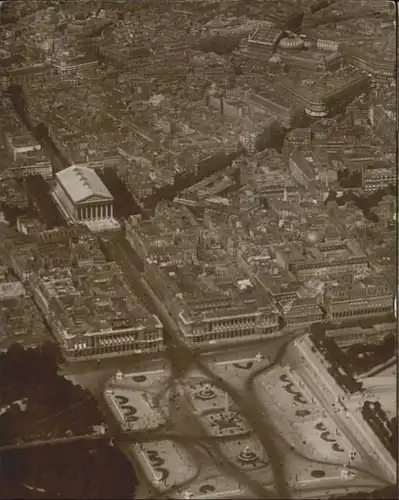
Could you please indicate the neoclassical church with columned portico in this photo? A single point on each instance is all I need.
(83, 195)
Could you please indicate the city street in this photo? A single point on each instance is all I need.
(182, 358)
(112, 365)
(268, 348)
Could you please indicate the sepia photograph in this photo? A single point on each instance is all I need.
(198, 249)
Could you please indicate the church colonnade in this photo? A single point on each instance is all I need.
(95, 211)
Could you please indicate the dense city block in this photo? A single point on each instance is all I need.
(198, 249)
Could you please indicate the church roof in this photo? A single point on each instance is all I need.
(83, 184)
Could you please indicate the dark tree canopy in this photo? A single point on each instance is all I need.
(55, 408)
(387, 493)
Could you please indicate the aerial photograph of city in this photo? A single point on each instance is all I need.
(198, 249)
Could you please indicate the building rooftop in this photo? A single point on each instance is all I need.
(12, 290)
(91, 299)
(54, 248)
(319, 85)
(29, 70)
(24, 141)
(20, 320)
(304, 165)
(195, 267)
(83, 184)
(266, 34)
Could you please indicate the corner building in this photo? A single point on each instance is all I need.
(210, 296)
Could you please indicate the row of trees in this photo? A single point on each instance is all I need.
(54, 404)
(365, 357)
(387, 493)
(91, 470)
(82, 469)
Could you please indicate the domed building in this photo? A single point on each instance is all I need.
(313, 236)
(292, 42)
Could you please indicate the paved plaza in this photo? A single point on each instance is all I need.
(237, 371)
(134, 408)
(211, 484)
(166, 463)
(302, 420)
